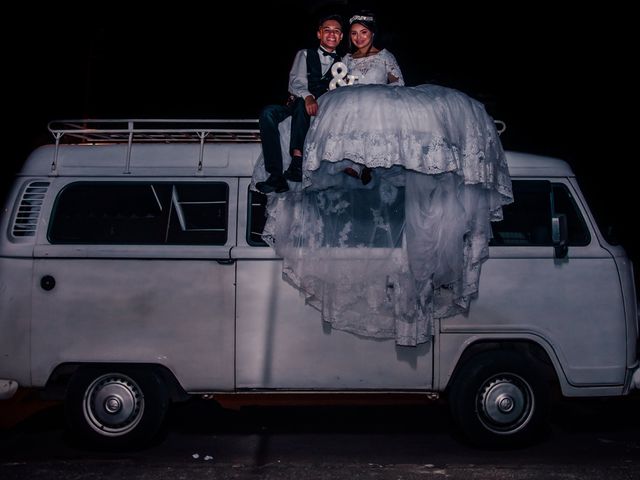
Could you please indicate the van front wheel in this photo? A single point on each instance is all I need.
(116, 408)
(499, 399)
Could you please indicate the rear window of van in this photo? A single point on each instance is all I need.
(141, 213)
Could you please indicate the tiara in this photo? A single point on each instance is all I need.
(363, 18)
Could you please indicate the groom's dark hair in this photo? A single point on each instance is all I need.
(333, 16)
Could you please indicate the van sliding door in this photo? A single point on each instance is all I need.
(282, 342)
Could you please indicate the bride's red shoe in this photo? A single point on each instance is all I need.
(364, 176)
(351, 172)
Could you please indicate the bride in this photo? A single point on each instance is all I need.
(368, 65)
(388, 252)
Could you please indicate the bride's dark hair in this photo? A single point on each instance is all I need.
(367, 19)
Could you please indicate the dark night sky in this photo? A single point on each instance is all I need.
(559, 79)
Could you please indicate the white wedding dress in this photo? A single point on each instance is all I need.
(374, 69)
(386, 259)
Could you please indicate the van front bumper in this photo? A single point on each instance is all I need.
(8, 388)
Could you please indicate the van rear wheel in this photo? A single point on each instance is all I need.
(499, 399)
(116, 407)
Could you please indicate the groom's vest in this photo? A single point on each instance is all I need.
(318, 83)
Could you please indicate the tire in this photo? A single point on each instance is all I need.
(498, 399)
(115, 408)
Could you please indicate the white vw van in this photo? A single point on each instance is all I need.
(133, 274)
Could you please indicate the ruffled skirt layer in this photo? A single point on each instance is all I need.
(384, 260)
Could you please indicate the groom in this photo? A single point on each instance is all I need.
(308, 79)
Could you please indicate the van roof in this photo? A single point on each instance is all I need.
(530, 165)
(170, 148)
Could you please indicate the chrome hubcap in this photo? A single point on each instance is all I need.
(113, 404)
(505, 403)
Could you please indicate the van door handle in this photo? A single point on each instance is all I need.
(47, 282)
(228, 261)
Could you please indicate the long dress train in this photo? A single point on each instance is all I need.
(386, 259)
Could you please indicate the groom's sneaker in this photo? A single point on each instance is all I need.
(294, 172)
(275, 183)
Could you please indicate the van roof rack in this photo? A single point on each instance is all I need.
(130, 131)
(154, 131)
(162, 130)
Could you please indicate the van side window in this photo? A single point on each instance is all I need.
(369, 220)
(360, 211)
(527, 221)
(141, 213)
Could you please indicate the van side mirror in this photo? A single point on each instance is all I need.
(560, 235)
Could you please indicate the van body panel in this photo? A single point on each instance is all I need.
(593, 321)
(15, 312)
(136, 311)
(282, 343)
(453, 345)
